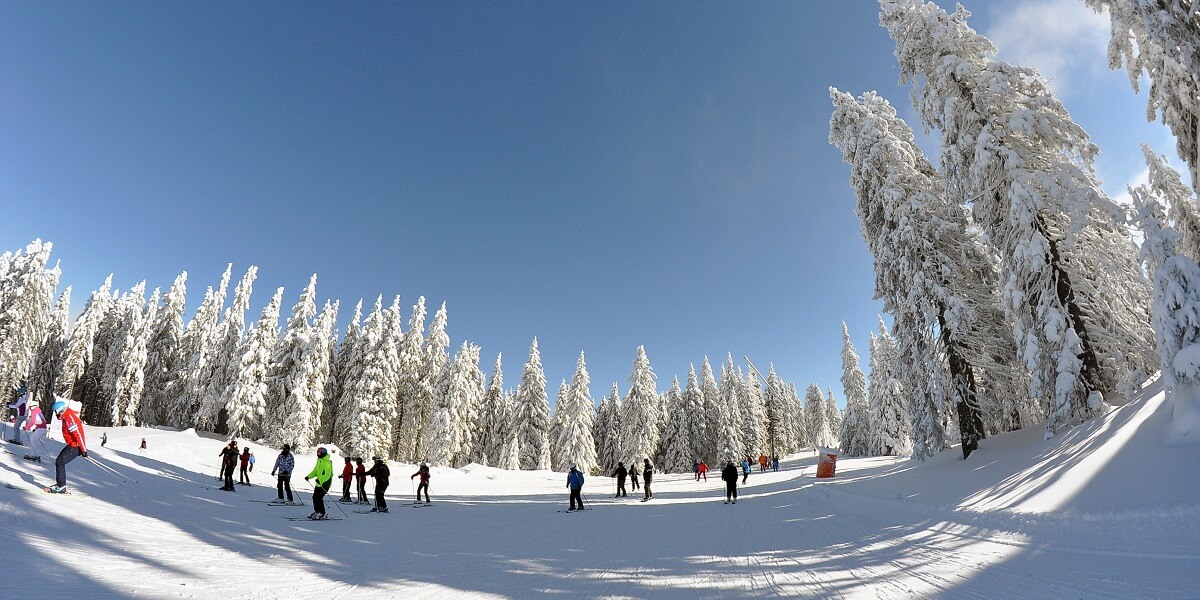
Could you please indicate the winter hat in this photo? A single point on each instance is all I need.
(376, 458)
(287, 448)
(572, 466)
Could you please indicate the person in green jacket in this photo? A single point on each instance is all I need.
(322, 473)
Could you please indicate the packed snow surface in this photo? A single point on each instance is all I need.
(1105, 510)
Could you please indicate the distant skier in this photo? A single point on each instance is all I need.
(323, 474)
(575, 484)
(244, 473)
(620, 474)
(284, 464)
(775, 463)
(360, 474)
(745, 470)
(647, 475)
(229, 457)
(762, 463)
(72, 430)
(424, 485)
(380, 472)
(142, 447)
(36, 426)
(251, 456)
(696, 469)
(21, 405)
(704, 470)
(347, 476)
(103, 439)
(730, 476)
(633, 476)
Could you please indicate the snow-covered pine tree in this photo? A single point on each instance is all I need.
(435, 357)
(713, 444)
(248, 392)
(470, 408)
(692, 406)
(374, 391)
(676, 441)
(856, 421)
(495, 417)
(640, 411)
(730, 445)
(608, 431)
(196, 349)
(1161, 39)
(576, 410)
(890, 419)
(1176, 311)
(555, 418)
(92, 392)
(833, 415)
(348, 365)
(780, 435)
(754, 407)
(510, 454)
(1165, 183)
(292, 417)
(411, 359)
(225, 360)
(814, 417)
(162, 355)
(81, 342)
(48, 361)
(325, 330)
(27, 289)
(444, 435)
(1012, 151)
(128, 387)
(531, 414)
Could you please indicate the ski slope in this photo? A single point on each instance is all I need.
(1105, 510)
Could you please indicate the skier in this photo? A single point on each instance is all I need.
(360, 474)
(575, 483)
(647, 475)
(103, 439)
(696, 469)
(380, 472)
(775, 463)
(762, 463)
(72, 430)
(21, 405)
(36, 426)
(633, 476)
(229, 457)
(251, 457)
(424, 473)
(745, 470)
(729, 476)
(323, 473)
(284, 465)
(346, 476)
(704, 470)
(620, 474)
(141, 448)
(244, 474)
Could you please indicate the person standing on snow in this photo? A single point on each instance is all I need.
(284, 465)
(633, 476)
(696, 469)
(620, 474)
(575, 483)
(36, 426)
(647, 475)
(380, 472)
(347, 476)
(729, 476)
(323, 474)
(424, 485)
(704, 470)
(360, 474)
(229, 457)
(244, 474)
(103, 439)
(72, 430)
(745, 470)
(21, 405)
(775, 463)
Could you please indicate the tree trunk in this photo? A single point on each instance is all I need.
(966, 399)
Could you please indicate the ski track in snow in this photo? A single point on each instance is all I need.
(881, 529)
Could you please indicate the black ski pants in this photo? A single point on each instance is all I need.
(319, 497)
(285, 484)
(66, 455)
(362, 489)
(423, 486)
(575, 497)
(346, 490)
(228, 476)
(621, 487)
(244, 474)
(731, 490)
(380, 488)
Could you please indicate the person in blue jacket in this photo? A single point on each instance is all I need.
(575, 482)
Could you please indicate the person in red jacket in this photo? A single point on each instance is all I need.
(72, 429)
(347, 476)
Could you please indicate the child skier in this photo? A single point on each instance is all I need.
(360, 474)
(380, 472)
(72, 430)
(575, 484)
(745, 471)
(36, 426)
(730, 475)
(323, 474)
(244, 474)
(284, 465)
(21, 405)
(424, 473)
(347, 476)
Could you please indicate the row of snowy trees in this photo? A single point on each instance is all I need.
(1014, 284)
(379, 390)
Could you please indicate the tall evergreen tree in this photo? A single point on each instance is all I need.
(48, 363)
(641, 414)
(27, 290)
(780, 435)
(531, 415)
(754, 407)
(730, 445)
(374, 392)
(576, 444)
(676, 440)
(163, 359)
(608, 426)
(249, 390)
(495, 416)
(225, 360)
(292, 418)
(815, 419)
(890, 420)
(411, 392)
(853, 434)
(693, 409)
(348, 365)
(81, 342)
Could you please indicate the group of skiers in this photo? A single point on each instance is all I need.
(321, 479)
(647, 477)
(29, 418)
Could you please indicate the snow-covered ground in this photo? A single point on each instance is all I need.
(1106, 510)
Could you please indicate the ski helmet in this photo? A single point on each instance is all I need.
(59, 407)
(321, 451)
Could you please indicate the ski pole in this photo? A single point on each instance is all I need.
(110, 469)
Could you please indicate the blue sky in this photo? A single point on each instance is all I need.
(597, 175)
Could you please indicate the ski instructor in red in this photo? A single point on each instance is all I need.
(72, 429)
